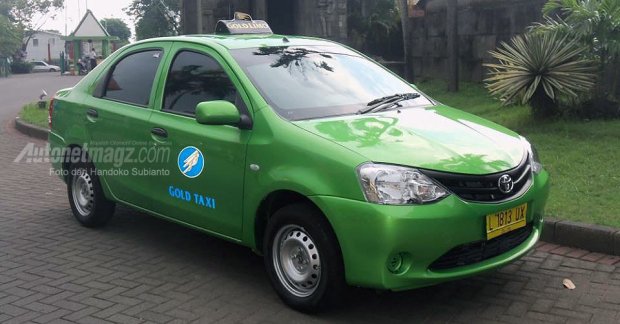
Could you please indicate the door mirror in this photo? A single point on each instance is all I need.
(217, 112)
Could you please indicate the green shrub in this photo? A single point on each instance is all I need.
(540, 69)
(20, 67)
(32, 114)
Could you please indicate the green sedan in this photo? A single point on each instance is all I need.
(332, 167)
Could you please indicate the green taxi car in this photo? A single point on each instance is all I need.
(335, 169)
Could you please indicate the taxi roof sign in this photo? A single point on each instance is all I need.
(242, 24)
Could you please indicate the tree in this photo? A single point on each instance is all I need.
(453, 42)
(405, 25)
(597, 24)
(374, 28)
(10, 38)
(155, 18)
(20, 14)
(117, 27)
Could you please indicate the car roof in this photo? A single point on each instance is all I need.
(246, 40)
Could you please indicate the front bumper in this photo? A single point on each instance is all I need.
(369, 234)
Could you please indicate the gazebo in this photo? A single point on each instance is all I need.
(87, 35)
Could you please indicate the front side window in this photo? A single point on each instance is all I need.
(194, 78)
(132, 78)
(306, 82)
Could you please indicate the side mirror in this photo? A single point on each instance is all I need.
(217, 112)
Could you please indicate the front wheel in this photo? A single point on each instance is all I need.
(303, 258)
(89, 205)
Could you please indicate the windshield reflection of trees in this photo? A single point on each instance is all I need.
(195, 80)
(365, 131)
(375, 131)
(295, 58)
(473, 162)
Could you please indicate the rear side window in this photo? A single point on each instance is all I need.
(194, 78)
(132, 78)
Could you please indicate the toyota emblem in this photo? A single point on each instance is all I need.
(505, 184)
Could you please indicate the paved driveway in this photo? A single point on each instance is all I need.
(19, 89)
(142, 269)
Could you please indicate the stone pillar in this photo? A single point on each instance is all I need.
(259, 9)
(199, 26)
(322, 18)
(191, 16)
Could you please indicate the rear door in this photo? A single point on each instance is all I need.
(204, 186)
(118, 116)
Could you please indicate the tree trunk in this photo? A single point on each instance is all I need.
(542, 105)
(616, 78)
(453, 51)
(364, 8)
(404, 20)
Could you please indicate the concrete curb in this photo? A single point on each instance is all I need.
(31, 130)
(595, 238)
(589, 237)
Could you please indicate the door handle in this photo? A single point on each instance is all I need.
(160, 132)
(92, 113)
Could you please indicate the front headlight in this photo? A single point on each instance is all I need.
(534, 160)
(395, 185)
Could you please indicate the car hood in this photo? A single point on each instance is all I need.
(436, 138)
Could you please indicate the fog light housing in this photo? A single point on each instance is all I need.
(399, 263)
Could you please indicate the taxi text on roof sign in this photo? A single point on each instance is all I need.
(242, 24)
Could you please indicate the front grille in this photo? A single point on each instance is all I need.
(484, 188)
(470, 253)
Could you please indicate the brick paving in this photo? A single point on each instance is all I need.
(140, 269)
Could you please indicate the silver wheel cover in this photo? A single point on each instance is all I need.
(296, 260)
(82, 192)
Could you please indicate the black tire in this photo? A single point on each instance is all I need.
(325, 287)
(89, 205)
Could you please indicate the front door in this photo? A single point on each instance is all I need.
(118, 124)
(204, 186)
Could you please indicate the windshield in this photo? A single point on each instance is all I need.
(307, 82)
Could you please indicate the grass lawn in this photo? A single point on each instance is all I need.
(32, 114)
(583, 157)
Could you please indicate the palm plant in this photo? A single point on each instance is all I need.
(595, 23)
(539, 69)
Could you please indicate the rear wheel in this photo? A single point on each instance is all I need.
(303, 258)
(88, 203)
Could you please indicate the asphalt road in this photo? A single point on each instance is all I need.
(17, 90)
(142, 269)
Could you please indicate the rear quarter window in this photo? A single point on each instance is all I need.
(132, 78)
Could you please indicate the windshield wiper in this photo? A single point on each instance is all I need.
(386, 102)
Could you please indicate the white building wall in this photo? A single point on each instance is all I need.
(37, 46)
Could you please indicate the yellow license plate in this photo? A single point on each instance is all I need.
(505, 221)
